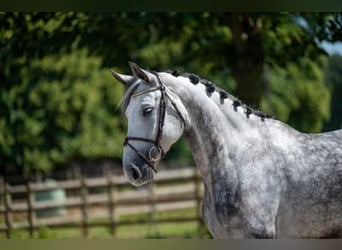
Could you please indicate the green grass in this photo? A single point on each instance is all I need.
(181, 230)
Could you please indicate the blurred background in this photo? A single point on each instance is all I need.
(58, 101)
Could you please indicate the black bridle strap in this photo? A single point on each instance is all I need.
(163, 91)
(145, 91)
(126, 143)
(131, 138)
(161, 115)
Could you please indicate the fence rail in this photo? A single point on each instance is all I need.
(113, 197)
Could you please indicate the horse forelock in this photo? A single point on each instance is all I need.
(124, 102)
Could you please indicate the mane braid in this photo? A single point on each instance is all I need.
(210, 88)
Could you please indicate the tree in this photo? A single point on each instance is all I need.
(333, 80)
(274, 40)
(49, 114)
(298, 95)
(64, 107)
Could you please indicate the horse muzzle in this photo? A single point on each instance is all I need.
(138, 176)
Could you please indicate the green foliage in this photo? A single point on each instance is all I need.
(19, 234)
(63, 107)
(46, 233)
(298, 95)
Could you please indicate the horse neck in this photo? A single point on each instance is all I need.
(216, 128)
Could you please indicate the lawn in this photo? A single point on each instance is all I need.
(151, 230)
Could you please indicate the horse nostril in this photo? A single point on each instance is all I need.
(135, 172)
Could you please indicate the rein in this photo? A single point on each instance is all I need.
(157, 148)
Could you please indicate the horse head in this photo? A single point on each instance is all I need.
(156, 120)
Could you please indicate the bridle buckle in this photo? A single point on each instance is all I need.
(155, 151)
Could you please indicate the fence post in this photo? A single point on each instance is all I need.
(153, 210)
(8, 209)
(84, 198)
(31, 212)
(111, 203)
(198, 201)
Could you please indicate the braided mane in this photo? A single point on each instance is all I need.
(211, 87)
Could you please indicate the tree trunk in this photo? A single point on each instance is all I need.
(249, 56)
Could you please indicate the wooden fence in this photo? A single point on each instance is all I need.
(114, 197)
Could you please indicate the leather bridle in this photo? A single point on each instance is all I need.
(156, 148)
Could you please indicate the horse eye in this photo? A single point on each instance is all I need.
(146, 111)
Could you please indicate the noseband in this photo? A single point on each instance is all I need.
(156, 148)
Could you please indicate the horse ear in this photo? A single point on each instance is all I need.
(126, 80)
(140, 73)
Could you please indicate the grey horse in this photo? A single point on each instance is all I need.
(262, 178)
